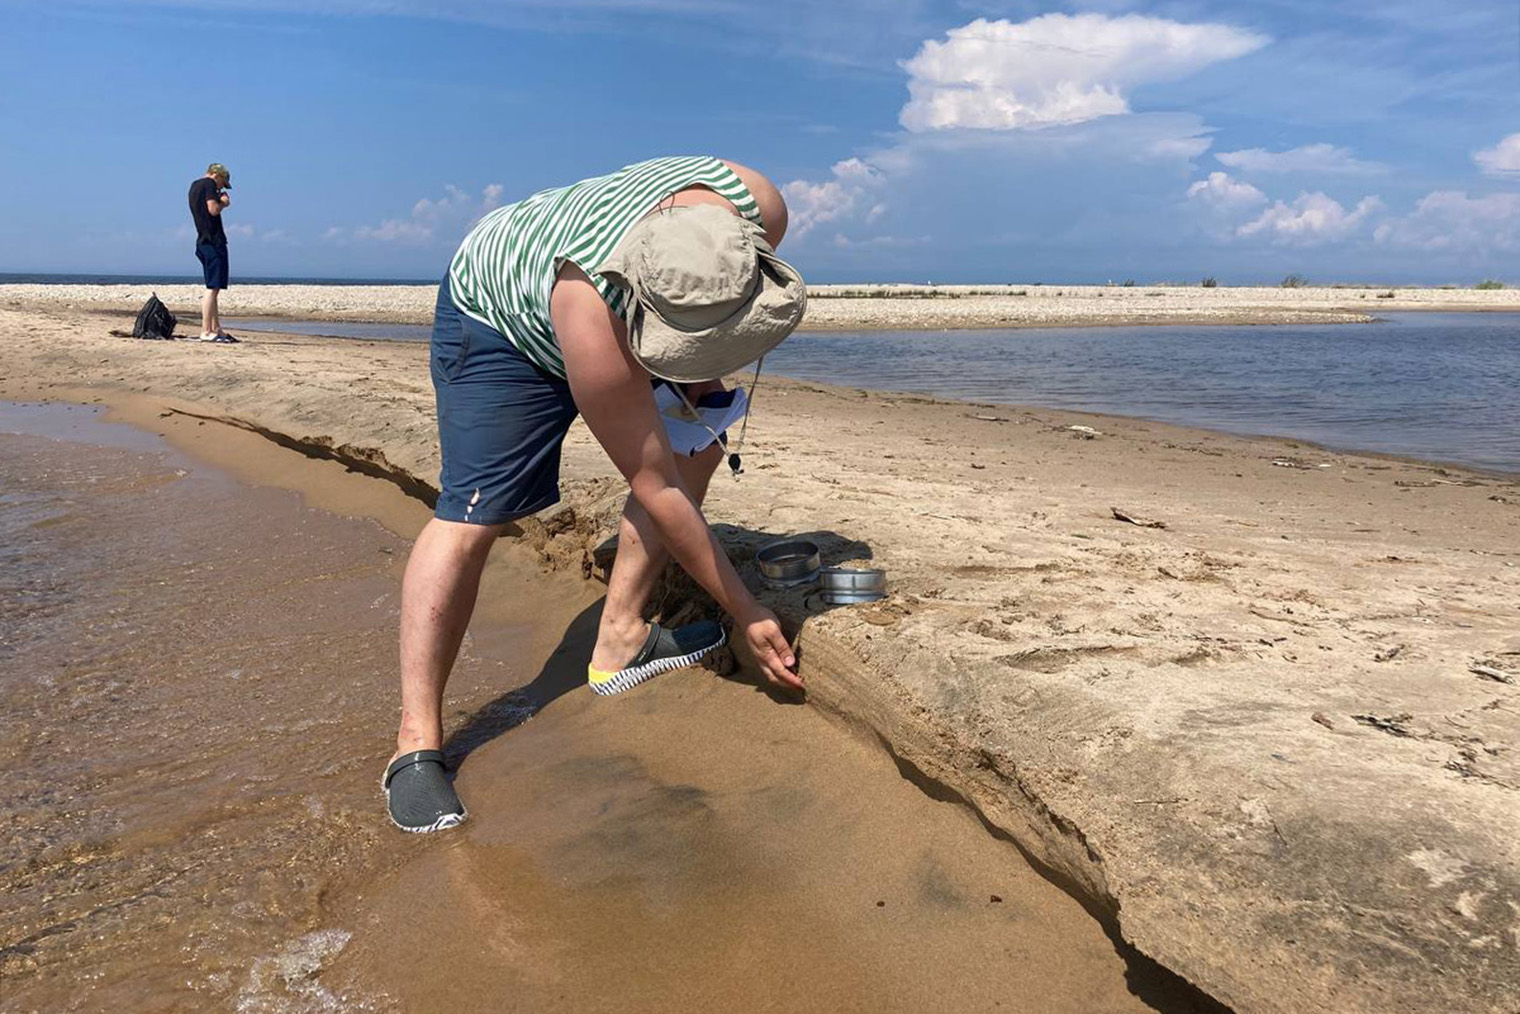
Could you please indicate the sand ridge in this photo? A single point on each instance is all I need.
(1258, 739)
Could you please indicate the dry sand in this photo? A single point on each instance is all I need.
(1273, 741)
(839, 307)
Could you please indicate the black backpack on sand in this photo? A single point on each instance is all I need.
(154, 320)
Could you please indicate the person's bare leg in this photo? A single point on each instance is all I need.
(216, 311)
(208, 312)
(437, 599)
(641, 559)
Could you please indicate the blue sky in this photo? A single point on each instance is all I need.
(945, 140)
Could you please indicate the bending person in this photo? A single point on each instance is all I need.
(576, 301)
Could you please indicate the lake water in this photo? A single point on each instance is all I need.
(1440, 386)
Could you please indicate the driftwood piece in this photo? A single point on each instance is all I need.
(1488, 672)
(1135, 519)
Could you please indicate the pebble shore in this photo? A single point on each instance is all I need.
(841, 307)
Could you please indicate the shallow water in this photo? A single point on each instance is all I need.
(1439, 386)
(196, 697)
(1444, 387)
(378, 331)
(701, 847)
(193, 686)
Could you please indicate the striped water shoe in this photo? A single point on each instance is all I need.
(663, 651)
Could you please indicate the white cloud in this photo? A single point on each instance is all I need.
(393, 230)
(1056, 68)
(1004, 181)
(1450, 220)
(1184, 148)
(247, 232)
(809, 204)
(447, 217)
(1310, 219)
(456, 202)
(1310, 158)
(1503, 159)
(843, 242)
(1223, 191)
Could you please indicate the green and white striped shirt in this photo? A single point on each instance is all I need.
(505, 268)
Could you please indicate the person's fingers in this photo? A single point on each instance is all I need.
(776, 659)
(780, 646)
(782, 677)
(765, 657)
(772, 653)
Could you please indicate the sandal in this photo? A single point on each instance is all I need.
(663, 651)
(418, 794)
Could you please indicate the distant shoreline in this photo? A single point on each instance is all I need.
(834, 307)
(66, 278)
(823, 290)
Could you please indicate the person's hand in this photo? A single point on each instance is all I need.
(225, 198)
(762, 632)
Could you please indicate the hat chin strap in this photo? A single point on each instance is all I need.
(735, 463)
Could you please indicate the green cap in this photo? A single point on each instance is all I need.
(219, 170)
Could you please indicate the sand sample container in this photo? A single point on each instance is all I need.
(846, 585)
(788, 563)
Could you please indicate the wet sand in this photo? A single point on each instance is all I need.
(1265, 742)
(698, 845)
(198, 692)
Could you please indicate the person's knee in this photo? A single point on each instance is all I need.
(465, 538)
(697, 470)
(704, 462)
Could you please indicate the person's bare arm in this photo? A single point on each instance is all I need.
(216, 204)
(613, 394)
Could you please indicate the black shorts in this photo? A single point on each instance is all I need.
(501, 421)
(213, 258)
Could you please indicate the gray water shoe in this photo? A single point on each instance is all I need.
(418, 794)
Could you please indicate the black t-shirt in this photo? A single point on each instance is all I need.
(208, 227)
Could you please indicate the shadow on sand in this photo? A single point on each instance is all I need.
(677, 600)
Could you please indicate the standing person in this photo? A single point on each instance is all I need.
(573, 301)
(208, 199)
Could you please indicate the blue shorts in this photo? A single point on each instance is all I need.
(501, 422)
(213, 258)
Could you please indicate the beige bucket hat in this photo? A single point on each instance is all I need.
(707, 293)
